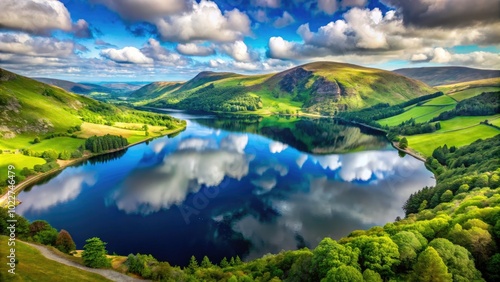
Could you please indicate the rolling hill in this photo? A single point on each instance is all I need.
(321, 87)
(32, 108)
(78, 88)
(101, 90)
(447, 75)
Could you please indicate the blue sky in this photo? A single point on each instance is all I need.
(150, 40)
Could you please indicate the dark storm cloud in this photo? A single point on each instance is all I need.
(447, 13)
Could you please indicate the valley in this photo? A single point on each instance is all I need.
(286, 155)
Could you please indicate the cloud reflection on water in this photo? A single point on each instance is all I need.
(196, 162)
(59, 190)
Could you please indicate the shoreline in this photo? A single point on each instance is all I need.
(411, 153)
(19, 187)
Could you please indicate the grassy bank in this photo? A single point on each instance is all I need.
(25, 161)
(33, 266)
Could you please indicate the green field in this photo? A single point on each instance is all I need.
(426, 143)
(496, 122)
(33, 266)
(465, 121)
(441, 100)
(58, 143)
(469, 93)
(419, 113)
(18, 161)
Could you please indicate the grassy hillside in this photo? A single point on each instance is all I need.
(322, 87)
(33, 266)
(447, 75)
(36, 117)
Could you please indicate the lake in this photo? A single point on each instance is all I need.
(226, 187)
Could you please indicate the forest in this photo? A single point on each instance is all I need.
(383, 110)
(212, 98)
(484, 104)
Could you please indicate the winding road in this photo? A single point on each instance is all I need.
(109, 274)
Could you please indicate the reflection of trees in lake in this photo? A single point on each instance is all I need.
(107, 157)
(319, 136)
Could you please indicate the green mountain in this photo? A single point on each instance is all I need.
(447, 75)
(31, 108)
(321, 87)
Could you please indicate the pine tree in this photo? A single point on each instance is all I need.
(223, 263)
(206, 263)
(193, 264)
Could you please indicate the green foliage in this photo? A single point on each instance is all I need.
(383, 110)
(36, 140)
(224, 263)
(446, 196)
(377, 253)
(64, 242)
(141, 265)
(343, 273)
(371, 276)
(50, 155)
(330, 254)
(409, 246)
(488, 103)
(99, 144)
(94, 253)
(403, 143)
(430, 267)
(206, 263)
(458, 260)
(65, 155)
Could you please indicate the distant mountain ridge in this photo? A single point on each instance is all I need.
(321, 87)
(84, 88)
(434, 76)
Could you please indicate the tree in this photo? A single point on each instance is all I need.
(430, 267)
(371, 276)
(237, 261)
(206, 263)
(36, 140)
(330, 254)
(64, 242)
(65, 155)
(403, 143)
(447, 196)
(223, 263)
(458, 260)
(343, 273)
(409, 246)
(193, 264)
(377, 253)
(94, 253)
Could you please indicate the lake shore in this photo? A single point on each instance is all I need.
(66, 163)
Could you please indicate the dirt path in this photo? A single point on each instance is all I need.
(109, 274)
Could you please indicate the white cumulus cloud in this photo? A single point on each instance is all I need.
(129, 55)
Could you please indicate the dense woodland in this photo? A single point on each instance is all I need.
(212, 98)
(102, 113)
(451, 233)
(383, 110)
(99, 144)
(488, 103)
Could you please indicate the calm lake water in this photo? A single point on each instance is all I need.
(231, 187)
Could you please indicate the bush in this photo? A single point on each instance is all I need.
(50, 154)
(64, 242)
(65, 155)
